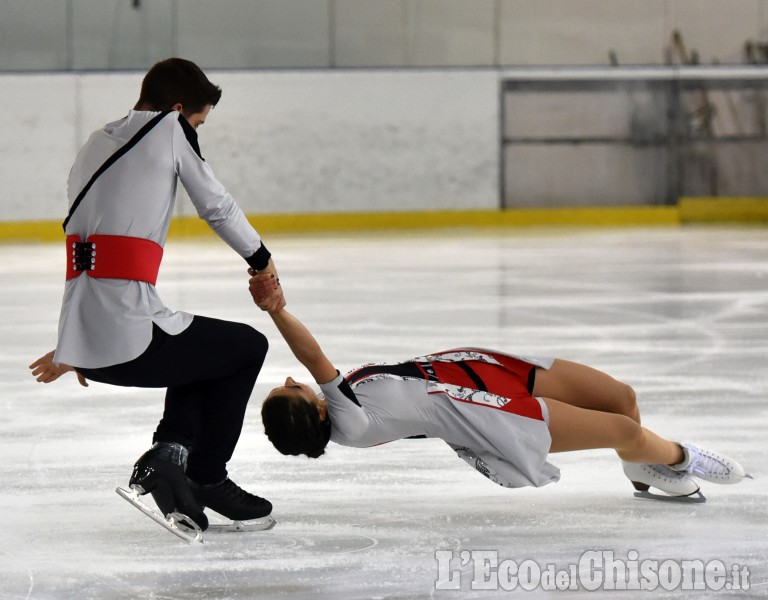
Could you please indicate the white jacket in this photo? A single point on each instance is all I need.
(109, 321)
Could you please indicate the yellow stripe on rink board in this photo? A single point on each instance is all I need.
(688, 210)
(614, 216)
(31, 231)
(723, 209)
(335, 222)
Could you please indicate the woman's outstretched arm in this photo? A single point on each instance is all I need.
(304, 346)
(267, 294)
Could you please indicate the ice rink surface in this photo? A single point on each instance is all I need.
(680, 314)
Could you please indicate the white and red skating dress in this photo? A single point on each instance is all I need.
(478, 401)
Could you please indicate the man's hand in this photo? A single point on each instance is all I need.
(266, 291)
(46, 371)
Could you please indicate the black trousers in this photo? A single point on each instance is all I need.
(210, 370)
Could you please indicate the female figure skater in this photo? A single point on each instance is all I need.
(501, 413)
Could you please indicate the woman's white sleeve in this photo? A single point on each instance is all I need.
(348, 418)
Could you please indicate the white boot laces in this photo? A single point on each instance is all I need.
(706, 463)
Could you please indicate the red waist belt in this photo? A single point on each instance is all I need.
(114, 257)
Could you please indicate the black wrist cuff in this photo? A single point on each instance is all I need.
(259, 259)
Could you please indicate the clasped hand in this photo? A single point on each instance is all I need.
(266, 291)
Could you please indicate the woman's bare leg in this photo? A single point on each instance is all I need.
(576, 428)
(585, 387)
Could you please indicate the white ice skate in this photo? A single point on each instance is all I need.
(677, 486)
(710, 466)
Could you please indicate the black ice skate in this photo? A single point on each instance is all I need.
(160, 472)
(247, 512)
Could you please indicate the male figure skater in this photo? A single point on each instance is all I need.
(115, 329)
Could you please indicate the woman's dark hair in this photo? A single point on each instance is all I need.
(294, 427)
(178, 80)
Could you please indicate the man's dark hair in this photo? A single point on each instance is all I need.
(294, 427)
(178, 80)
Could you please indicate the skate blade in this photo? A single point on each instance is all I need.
(696, 498)
(175, 522)
(263, 524)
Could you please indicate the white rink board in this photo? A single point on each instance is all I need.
(280, 142)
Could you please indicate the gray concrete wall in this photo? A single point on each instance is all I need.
(113, 34)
